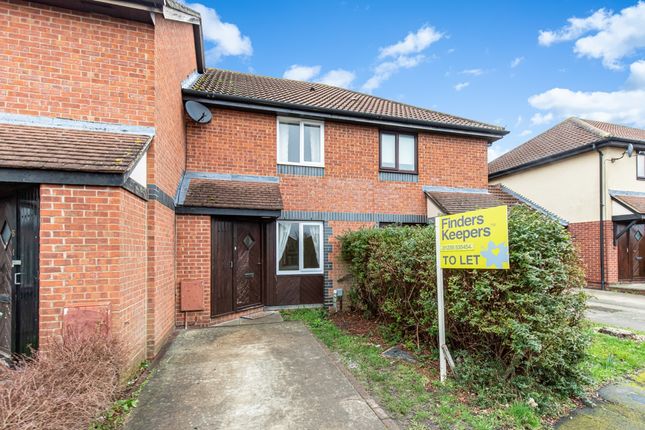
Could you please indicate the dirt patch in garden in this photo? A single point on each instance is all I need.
(355, 324)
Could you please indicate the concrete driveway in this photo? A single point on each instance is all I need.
(617, 309)
(251, 376)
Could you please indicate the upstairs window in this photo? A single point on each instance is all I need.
(398, 152)
(300, 142)
(640, 166)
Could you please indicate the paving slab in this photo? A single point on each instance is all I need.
(251, 376)
(618, 309)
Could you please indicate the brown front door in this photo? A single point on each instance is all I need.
(237, 265)
(631, 254)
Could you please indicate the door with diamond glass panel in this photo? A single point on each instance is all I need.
(248, 264)
(631, 254)
(7, 253)
(637, 251)
(237, 267)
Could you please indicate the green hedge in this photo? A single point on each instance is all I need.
(524, 326)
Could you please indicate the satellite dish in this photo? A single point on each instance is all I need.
(198, 112)
(630, 150)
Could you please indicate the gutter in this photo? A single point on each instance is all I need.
(336, 114)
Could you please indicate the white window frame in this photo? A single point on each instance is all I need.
(301, 270)
(301, 123)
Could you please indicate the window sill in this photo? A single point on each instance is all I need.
(398, 176)
(298, 273)
(300, 170)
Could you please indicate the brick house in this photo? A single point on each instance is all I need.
(580, 170)
(284, 167)
(93, 137)
(118, 208)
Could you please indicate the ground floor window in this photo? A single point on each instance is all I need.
(299, 247)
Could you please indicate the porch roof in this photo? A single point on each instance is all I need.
(211, 191)
(37, 147)
(455, 200)
(634, 202)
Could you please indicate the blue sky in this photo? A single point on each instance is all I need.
(523, 65)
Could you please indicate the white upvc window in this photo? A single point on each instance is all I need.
(301, 142)
(299, 247)
(640, 165)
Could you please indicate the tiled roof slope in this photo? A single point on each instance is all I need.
(212, 193)
(45, 148)
(315, 96)
(452, 202)
(634, 202)
(571, 134)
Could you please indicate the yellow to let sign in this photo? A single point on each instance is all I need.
(474, 240)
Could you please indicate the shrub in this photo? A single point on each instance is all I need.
(524, 326)
(65, 388)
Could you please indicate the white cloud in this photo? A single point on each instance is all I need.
(516, 62)
(495, 152)
(540, 119)
(460, 86)
(617, 35)
(385, 70)
(228, 39)
(525, 132)
(637, 74)
(301, 73)
(472, 72)
(519, 121)
(401, 55)
(576, 28)
(623, 106)
(627, 106)
(413, 43)
(338, 78)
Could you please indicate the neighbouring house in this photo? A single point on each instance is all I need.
(581, 171)
(92, 136)
(119, 209)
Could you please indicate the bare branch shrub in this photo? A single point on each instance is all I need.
(66, 387)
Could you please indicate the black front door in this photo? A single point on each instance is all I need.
(8, 229)
(19, 229)
(237, 255)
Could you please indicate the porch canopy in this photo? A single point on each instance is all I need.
(448, 201)
(233, 195)
(56, 151)
(628, 205)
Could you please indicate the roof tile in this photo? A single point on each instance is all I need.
(571, 134)
(50, 148)
(320, 96)
(212, 193)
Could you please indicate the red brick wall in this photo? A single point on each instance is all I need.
(245, 143)
(194, 262)
(174, 61)
(61, 63)
(160, 276)
(93, 253)
(586, 236)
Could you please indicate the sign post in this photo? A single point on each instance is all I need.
(468, 240)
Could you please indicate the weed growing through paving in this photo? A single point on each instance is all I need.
(413, 396)
(115, 416)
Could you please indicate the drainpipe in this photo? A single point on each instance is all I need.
(602, 217)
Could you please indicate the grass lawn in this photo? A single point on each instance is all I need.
(413, 396)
